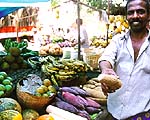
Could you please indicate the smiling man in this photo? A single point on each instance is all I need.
(128, 56)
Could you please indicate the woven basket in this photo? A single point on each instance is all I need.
(92, 60)
(91, 56)
(28, 100)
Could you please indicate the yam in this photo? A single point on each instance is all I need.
(92, 103)
(66, 106)
(73, 99)
(113, 82)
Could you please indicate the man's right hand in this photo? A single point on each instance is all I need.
(106, 89)
(109, 71)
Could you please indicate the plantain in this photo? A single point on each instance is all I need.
(58, 64)
(50, 70)
(64, 77)
(43, 69)
(66, 72)
(54, 80)
(51, 67)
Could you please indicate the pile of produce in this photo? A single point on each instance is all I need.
(117, 24)
(40, 79)
(76, 100)
(10, 109)
(34, 85)
(93, 88)
(63, 69)
(99, 42)
(65, 44)
(25, 52)
(6, 84)
(60, 114)
(50, 49)
(33, 92)
(16, 55)
(13, 60)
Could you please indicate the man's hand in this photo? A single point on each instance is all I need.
(109, 71)
(109, 83)
(106, 89)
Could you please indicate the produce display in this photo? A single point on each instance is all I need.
(50, 49)
(42, 85)
(30, 114)
(117, 24)
(34, 85)
(15, 56)
(76, 100)
(9, 104)
(61, 70)
(60, 114)
(93, 88)
(45, 117)
(13, 60)
(6, 84)
(10, 115)
(30, 96)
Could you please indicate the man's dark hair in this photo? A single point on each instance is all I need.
(147, 5)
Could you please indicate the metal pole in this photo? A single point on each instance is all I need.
(108, 12)
(78, 23)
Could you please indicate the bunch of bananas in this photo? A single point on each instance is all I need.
(63, 69)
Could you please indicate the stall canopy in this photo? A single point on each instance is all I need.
(4, 11)
(9, 6)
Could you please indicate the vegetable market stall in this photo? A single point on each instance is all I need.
(65, 76)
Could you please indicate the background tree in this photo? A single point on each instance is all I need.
(108, 5)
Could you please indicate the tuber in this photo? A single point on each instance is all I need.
(72, 99)
(92, 103)
(80, 91)
(69, 89)
(66, 106)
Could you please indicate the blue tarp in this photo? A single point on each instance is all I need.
(23, 1)
(6, 7)
(4, 11)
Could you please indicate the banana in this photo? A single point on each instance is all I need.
(64, 77)
(66, 73)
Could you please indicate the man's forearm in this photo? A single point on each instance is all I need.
(106, 68)
(104, 65)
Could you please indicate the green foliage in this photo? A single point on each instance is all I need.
(98, 4)
(54, 3)
(103, 4)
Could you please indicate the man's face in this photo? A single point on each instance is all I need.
(137, 15)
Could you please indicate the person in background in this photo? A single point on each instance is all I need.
(37, 38)
(84, 42)
(128, 56)
(46, 40)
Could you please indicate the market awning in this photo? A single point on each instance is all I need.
(24, 1)
(7, 10)
(9, 6)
